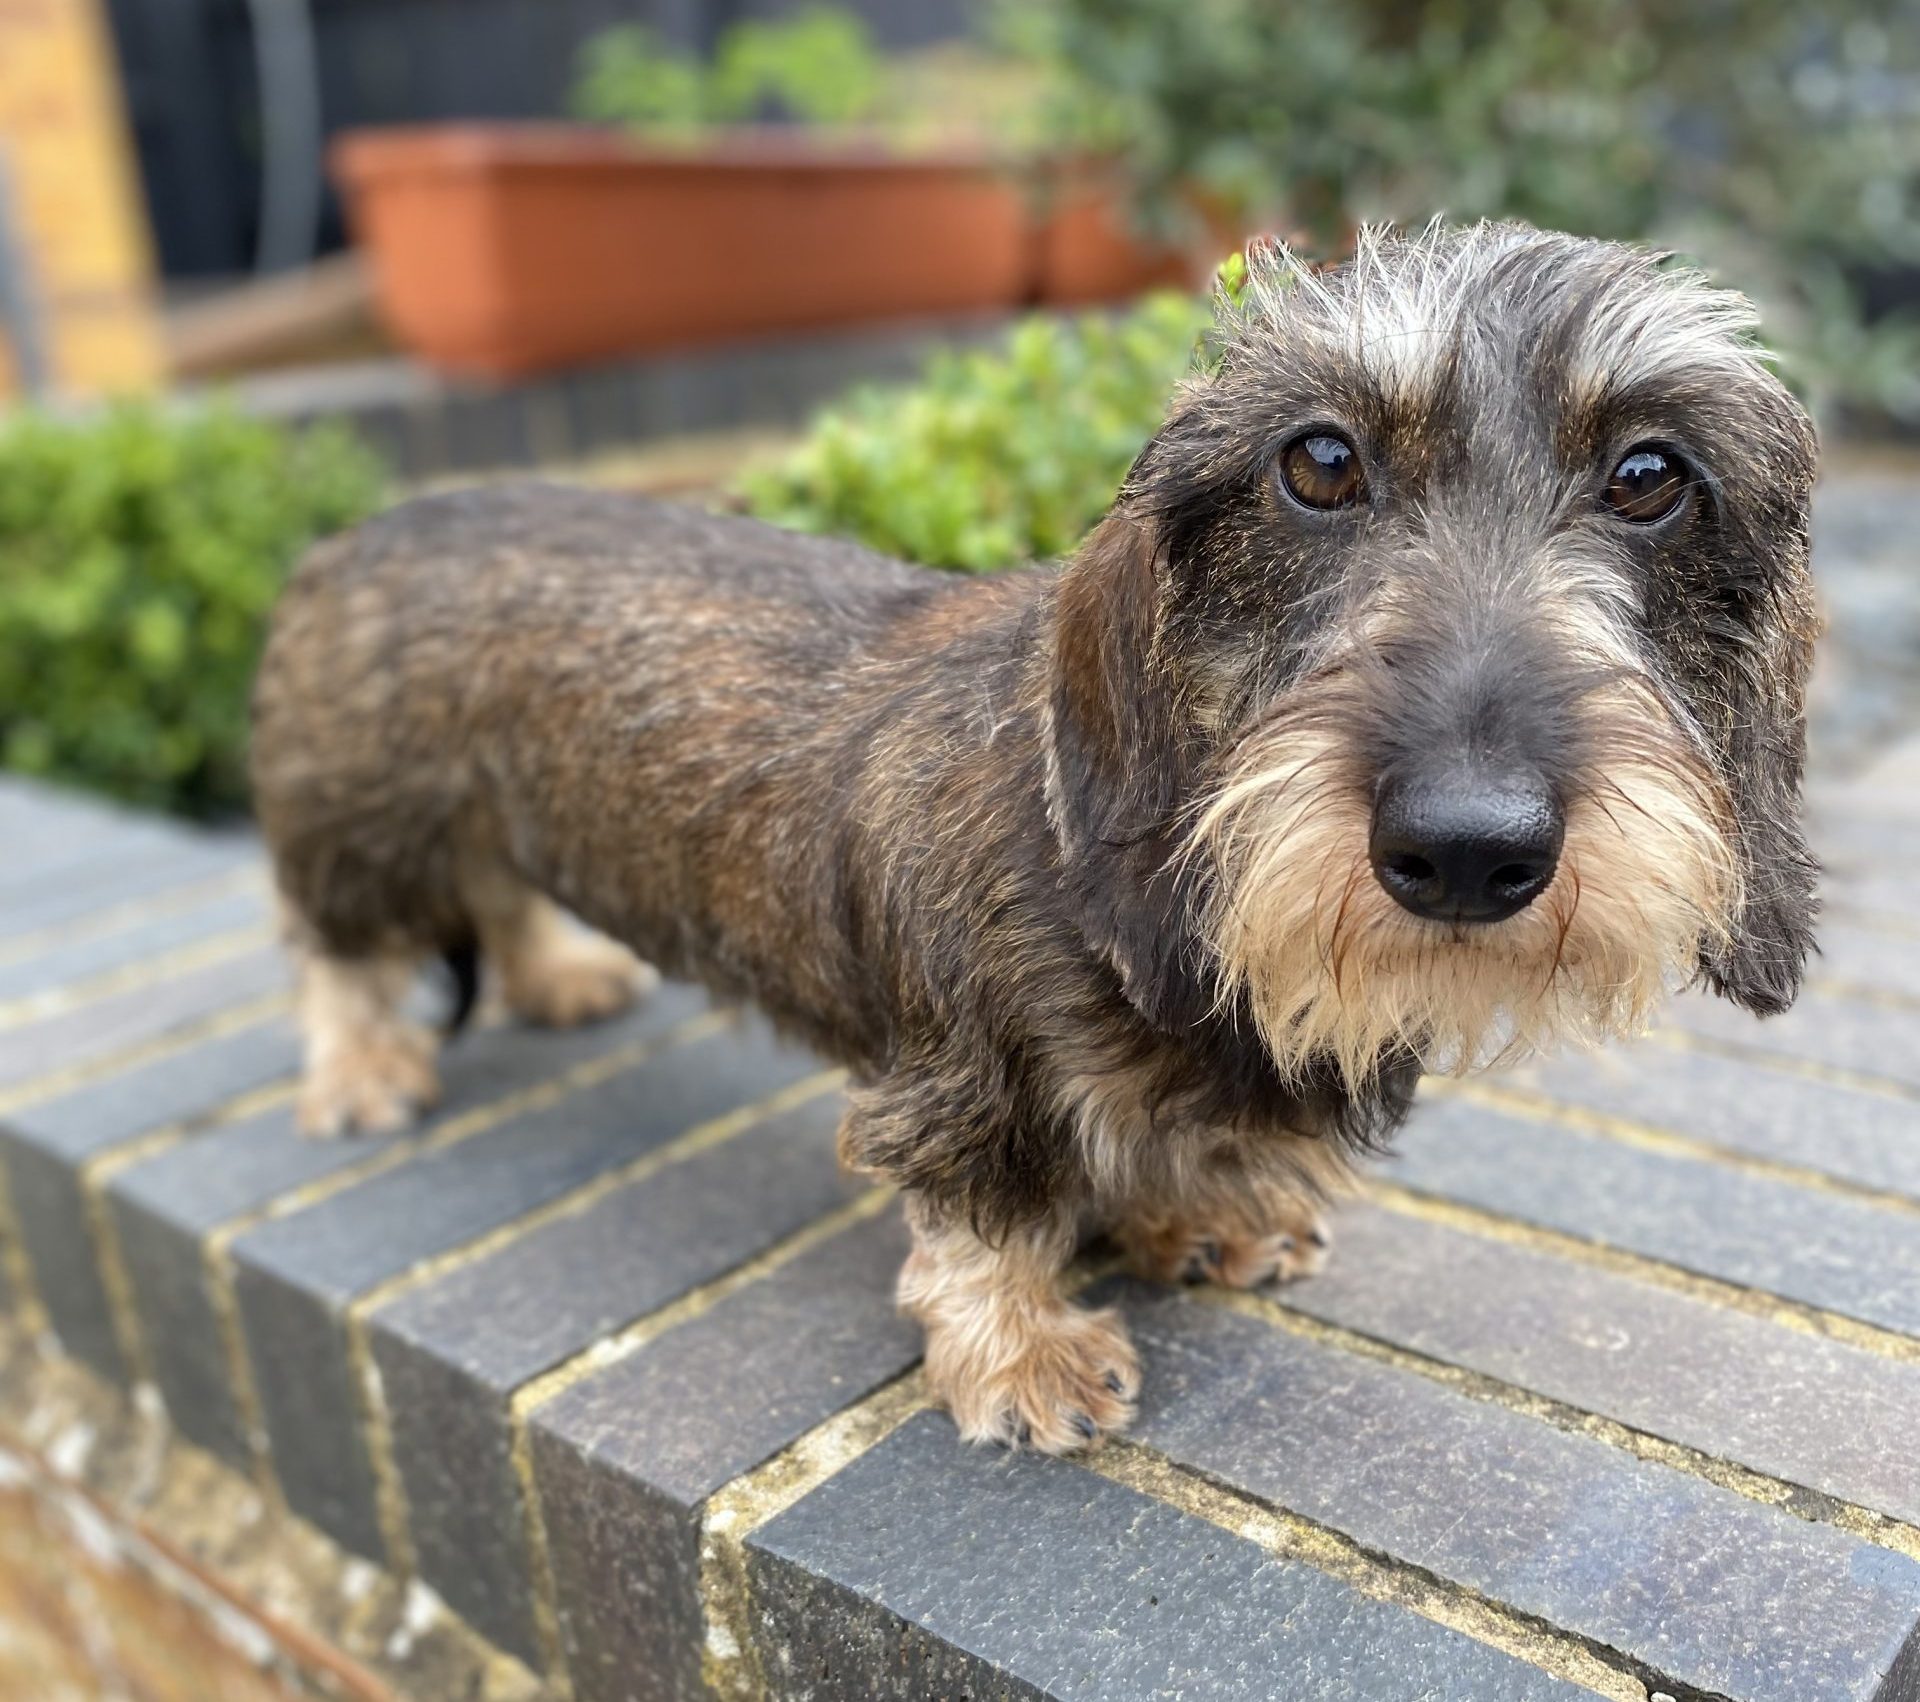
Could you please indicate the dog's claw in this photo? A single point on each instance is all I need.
(1085, 1425)
(1116, 1383)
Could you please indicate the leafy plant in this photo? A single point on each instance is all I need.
(1779, 143)
(140, 553)
(997, 456)
(819, 66)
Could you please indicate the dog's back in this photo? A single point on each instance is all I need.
(577, 690)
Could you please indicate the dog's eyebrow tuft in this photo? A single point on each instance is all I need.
(1408, 308)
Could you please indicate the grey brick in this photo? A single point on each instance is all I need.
(104, 880)
(45, 1145)
(79, 850)
(452, 1353)
(53, 836)
(1844, 1033)
(1699, 1585)
(51, 1210)
(95, 1031)
(624, 1459)
(164, 1207)
(62, 963)
(927, 1568)
(1805, 1244)
(180, 1087)
(1885, 892)
(1852, 846)
(1869, 1138)
(297, 1275)
(1799, 1407)
(1869, 957)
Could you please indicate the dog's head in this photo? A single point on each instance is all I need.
(1435, 686)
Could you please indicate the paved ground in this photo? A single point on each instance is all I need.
(1613, 1387)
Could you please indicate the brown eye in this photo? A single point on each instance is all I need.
(1647, 485)
(1322, 470)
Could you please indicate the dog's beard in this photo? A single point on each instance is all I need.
(1331, 967)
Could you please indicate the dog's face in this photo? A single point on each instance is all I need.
(1436, 685)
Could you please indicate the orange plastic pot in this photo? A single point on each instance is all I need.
(1091, 250)
(502, 250)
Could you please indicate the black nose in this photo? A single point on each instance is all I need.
(1464, 846)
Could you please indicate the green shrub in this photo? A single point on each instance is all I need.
(995, 457)
(1780, 143)
(818, 66)
(140, 553)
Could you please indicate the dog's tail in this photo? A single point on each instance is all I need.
(463, 972)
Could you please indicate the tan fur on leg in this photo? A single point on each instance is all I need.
(1011, 1357)
(554, 973)
(1241, 1219)
(1266, 1234)
(367, 1067)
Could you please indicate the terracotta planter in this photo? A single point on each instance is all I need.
(499, 250)
(1091, 251)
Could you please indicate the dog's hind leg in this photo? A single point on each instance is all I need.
(553, 971)
(367, 1066)
(1239, 1221)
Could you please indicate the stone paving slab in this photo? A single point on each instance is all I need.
(1561, 1526)
(453, 1353)
(1830, 1250)
(1789, 1403)
(167, 1207)
(1742, 1106)
(1611, 1389)
(228, 910)
(626, 1459)
(926, 1569)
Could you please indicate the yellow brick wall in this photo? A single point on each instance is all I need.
(63, 128)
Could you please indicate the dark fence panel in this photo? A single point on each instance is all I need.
(194, 98)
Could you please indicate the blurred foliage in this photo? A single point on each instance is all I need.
(140, 552)
(818, 65)
(1778, 142)
(997, 456)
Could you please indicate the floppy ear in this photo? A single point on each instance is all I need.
(1765, 737)
(1116, 771)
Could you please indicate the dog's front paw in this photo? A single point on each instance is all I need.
(1054, 1379)
(373, 1084)
(1291, 1239)
(579, 979)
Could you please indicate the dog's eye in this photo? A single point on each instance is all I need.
(1322, 470)
(1647, 485)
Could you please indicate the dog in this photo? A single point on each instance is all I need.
(1431, 694)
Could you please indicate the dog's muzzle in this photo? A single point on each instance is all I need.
(1461, 844)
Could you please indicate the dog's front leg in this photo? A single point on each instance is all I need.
(1014, 1360)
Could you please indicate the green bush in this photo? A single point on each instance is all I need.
(818, 66)
(1780, 143)
(140, 553)
(998, 456)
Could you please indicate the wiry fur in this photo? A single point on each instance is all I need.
(1069, 866)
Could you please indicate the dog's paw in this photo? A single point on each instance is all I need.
(373, 1085)
(583, 978)
(1293, 1241)
(1055, 1382)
